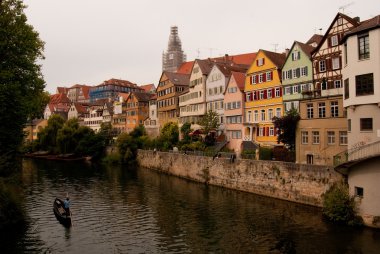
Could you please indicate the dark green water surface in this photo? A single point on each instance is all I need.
(129, 210)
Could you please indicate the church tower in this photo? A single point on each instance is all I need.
(174, 56)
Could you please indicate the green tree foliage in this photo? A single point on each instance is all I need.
(185, 130)
(48, 136)
(129, 143)
(169, 136)
(21, 81)
(339, 207)
(209, 122)
(286, 127)
(65, 136)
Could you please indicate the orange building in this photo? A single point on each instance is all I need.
(137, 109)
(263, 94)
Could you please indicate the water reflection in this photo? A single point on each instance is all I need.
(132, 210)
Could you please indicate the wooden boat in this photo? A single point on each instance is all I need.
(60, 213)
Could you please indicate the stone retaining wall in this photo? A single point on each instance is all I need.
(289, 181)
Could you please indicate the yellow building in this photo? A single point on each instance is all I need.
(263, 94)
(32, 129)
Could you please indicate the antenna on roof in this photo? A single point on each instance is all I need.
(343, 7)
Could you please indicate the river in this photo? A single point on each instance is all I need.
(129, 210)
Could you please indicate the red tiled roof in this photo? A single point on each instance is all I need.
(245, 59)
(120, 82)
(80, 108)
(61, 89)
(240, 79)
(186, 67)
(124, 95)
(148, 88)
(59, 98)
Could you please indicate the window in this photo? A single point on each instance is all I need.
(364, 84)
(315, 137)
(278, 112)
(269, 93)
(334, 109)
(322, 66)
(335, 63)
(271, 131)
(296, 55)
(263, 115)
(249, 116)
(236, 134)
(363, 42)
(349, 124)
(340, 21)
(346, 89)
(331, 137)
(310, 110)
(261, 95)
(277, 92)
(321, 110)
(303, 71)
(343, 140)
(288, 90)
(304, 137)
(270, 114)
(295, 89)
(260, 61)
(359, 191)
(269, 76)
(256, 116)
(365, 124)
(261, 131)
(261, 78)
(345, 53)
(334, 40)
(253, 79)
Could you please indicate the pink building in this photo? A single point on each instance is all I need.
(234, 110)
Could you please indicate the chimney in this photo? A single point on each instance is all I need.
(286, 52)
(357, 19)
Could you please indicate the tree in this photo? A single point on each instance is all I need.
(169, 135)
(185, 130)
(21, 81)
(65, 136)
(286, 128)
(209, 122)
(48, 136)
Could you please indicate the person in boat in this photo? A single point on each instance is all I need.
(66, 205)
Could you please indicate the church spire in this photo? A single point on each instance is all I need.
(174, 56)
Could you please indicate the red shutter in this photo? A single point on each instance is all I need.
(257, 62)
(316, 64)
(264, 77)
(329, 42)
(265, 94)
(271, 75)
(329, 64)
(280, 91)
(273, 93)
(257, 132)
(267, 131)
(275, 131)
(257, 95)
(263, 61)
(245, 97)
(252, 99)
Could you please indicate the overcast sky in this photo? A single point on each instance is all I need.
(89, 41)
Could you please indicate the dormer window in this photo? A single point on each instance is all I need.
(260, 62)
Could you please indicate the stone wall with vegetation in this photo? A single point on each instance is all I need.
(289, 181)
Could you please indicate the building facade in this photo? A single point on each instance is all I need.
(111, 88)
(263, 92)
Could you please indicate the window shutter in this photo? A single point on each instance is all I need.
(299, 54)
(266, 131)
(257, 62)
(280, 91)
(316, 64)
(265, 94)
(340, 62)
(329, 42)
(298, 73)
(306, 70)
(283, 74)
(273, 93)
(329, 64)
(257, 95)
(263, 61)
(271, 75)
(257, 132)
(264, 77)
(252, 96)
(290, 74)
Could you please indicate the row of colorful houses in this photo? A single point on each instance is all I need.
(328, 80)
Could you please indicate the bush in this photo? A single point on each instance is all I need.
(112, 158)
(265, 153)
(339, 207)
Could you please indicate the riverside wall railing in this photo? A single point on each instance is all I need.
(359, 153)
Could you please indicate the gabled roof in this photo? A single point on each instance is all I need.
(177, 78)
(141, 96)
(364, 26)
(227, 68)
(244, 59)
(86, 91)
(205, 65)
(277, 59)
(124, 95)
(80, 108)
(148, 88)
(240, 79)
(119, 82)
(306, 48)
(59, 98)
(186, 67)
(349, 19)
(61, 89)
(315, 38)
